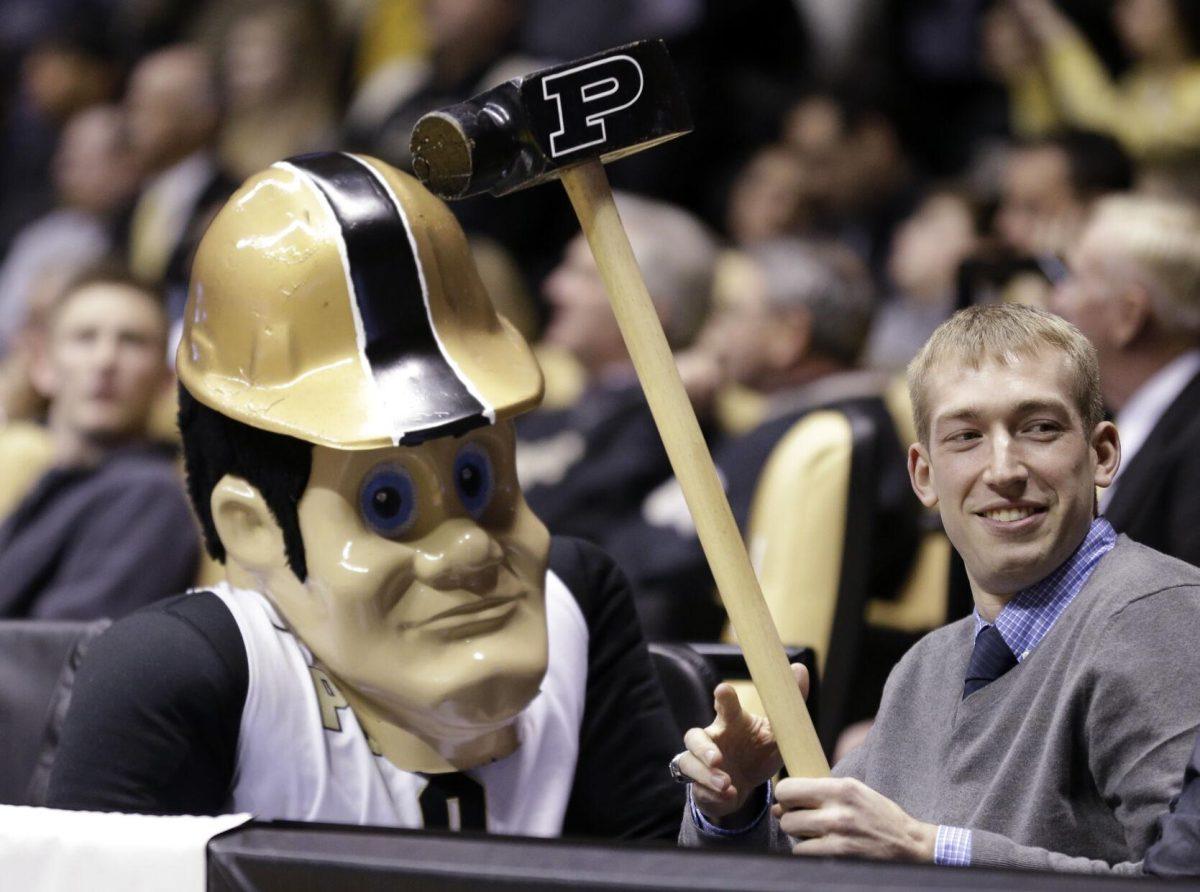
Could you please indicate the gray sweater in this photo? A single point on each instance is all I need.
(1067, 760)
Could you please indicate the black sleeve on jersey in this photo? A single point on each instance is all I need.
(621, 788)
(154, 718)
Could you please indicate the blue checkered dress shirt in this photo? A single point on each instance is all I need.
(1023, 623)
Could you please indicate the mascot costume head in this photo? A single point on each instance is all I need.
(346, 390)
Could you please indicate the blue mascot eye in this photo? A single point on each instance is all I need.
(473, 479)
(388, 502)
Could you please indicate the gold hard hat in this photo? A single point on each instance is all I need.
(334, 299)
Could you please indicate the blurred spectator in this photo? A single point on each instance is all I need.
(792, 331)
(586, 467)
(1009, 55)
(926, 254)
(839, 29)
(95, 178)
(1134, 290)
(933, 57)
(767, 198)
(173, 116)
(383, 31)
(925, 53)
(472, 47)
(108, 529)
(858, 184)
(1049, 187)
(1153, 109)
(69, 67)
(276, 67)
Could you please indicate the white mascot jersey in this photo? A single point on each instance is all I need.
(314, 763)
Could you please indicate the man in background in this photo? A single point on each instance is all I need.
(107, 529)
(789, 326)
(1050, 185)
(1134, 290)
(587, 467)
(173, 113)
(95, 178)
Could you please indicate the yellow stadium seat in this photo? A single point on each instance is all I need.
(796, 524)
(923, 601)
(809, 540)
(739, 410)
(899, 406)
(26, 453)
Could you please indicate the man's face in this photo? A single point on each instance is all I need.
(1039, 210)
(104, 361)
(1087, 298)
(1011, 468)
(425, 590)
(93, 166)
(929, 247)
(169, 107)
(767, 199)
(816, 131)
(581, 318)
(741, 327)
(256, 67)
(1145, 26)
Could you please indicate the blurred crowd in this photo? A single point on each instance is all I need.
(859, 169)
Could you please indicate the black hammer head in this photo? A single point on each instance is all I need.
(523, 132)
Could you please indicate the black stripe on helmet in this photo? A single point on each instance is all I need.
(425, 393)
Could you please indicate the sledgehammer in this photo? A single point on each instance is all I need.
(565, 122)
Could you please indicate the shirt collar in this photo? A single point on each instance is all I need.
(1026, 619)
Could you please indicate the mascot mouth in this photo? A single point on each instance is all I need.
(472, 617)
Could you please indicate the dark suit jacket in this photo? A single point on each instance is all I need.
(1157, 500)
(1177, 851)
(616, 458)
(99, 542)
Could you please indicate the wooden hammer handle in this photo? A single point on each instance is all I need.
(587, 186)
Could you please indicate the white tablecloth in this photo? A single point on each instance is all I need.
(44, 848)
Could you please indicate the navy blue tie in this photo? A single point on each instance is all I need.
(990, 659)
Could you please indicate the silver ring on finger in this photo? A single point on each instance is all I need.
(677, 774)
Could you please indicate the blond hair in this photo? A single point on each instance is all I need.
(1161, 240)
(1005, 333)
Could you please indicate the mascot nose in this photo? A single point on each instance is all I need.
(458, 554)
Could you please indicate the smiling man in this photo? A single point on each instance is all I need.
(1047, 729)
(398, 641)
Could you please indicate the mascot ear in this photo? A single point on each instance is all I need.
(248, 530)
